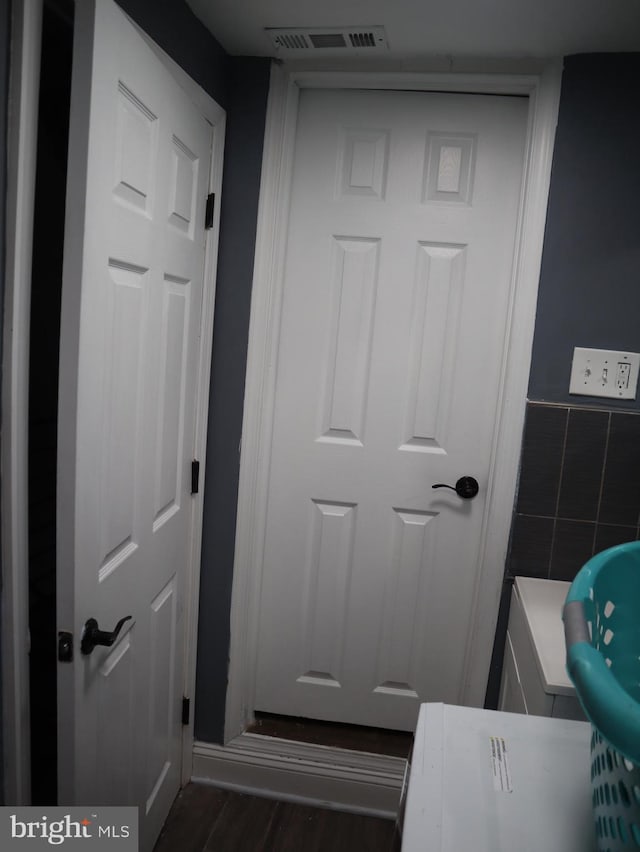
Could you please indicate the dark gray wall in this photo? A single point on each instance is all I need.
(247, 101)
(4, 84)
(589, 286)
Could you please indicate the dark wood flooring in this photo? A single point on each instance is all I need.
(355, 737)
(206, 819)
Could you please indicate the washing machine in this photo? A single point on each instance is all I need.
(490, 781)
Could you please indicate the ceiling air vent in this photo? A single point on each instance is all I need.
(334, 40)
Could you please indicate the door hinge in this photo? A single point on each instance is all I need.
(186, 708)
(195, 476)
(208, 215)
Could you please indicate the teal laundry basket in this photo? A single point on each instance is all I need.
(602, 631)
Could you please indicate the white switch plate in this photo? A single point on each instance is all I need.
(604, 372)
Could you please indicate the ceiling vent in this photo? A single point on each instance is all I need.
(334, 40)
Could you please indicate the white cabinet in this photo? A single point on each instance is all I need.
(534, 678)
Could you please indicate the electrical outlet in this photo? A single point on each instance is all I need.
(604, 372)
(623, 374)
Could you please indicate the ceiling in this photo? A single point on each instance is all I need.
(420, 28)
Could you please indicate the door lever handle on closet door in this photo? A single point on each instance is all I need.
(466, 487)
(92, 635)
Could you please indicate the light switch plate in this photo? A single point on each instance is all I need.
(604, 372)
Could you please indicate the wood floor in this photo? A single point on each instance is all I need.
(206, 819)
(356, 737)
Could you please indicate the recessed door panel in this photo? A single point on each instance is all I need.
(449, 171)
(184, 180)
(433, 338)
(411, 560)
(136, 148)
(355, 262)
(116, 746)
(162, 675)
(170, 422)
(362, 163)
(123, 390)
(327, 591)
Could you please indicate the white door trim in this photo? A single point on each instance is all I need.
(543, 91)
(308, 773)
(22, 137)
(192, 575)
(21, 156)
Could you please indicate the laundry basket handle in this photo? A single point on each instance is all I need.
(576, 628)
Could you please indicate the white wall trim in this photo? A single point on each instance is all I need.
(495, 84)
(319, 775)
(543, 92)
(273, 210)
(544, 100)
(22, 136)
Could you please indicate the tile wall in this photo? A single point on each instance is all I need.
(579, 489)
(578, 493)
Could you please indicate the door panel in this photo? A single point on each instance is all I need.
(396, 670)
(396, 297)
(439, 277)
(120, 412)
(162, 686)
(170, 414)
(353, 291)
(327, 586)
(131, 313)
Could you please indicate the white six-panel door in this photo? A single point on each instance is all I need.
(139, 165)
(396, 299)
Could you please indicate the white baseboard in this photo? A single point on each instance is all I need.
(337, 778)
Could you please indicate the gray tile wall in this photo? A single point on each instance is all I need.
(579, 489)
(579, 493)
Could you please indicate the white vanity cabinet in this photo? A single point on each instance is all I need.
(534, 678)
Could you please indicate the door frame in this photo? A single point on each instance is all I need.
(24, 86)
(543, 91)
(22, 142)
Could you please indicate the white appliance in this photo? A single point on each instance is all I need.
(487, 781)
